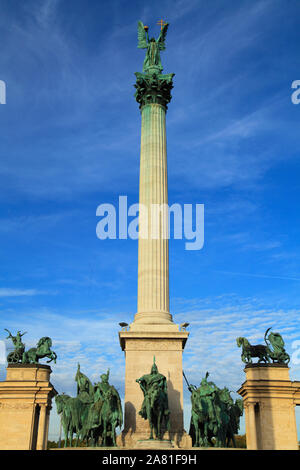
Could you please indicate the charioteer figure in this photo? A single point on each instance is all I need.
(16, 355)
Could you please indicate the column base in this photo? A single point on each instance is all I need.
(153, 318)
(141, 441)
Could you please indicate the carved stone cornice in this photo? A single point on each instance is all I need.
(153, 88)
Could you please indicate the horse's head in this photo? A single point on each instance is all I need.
(60, 401)
(45, 341)
(225, 396)
(240, 406)
(240, 341)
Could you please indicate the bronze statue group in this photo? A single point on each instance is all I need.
(93, 415)
(215, 417)
(96, 412)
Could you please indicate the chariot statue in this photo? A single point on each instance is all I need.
(273, 350)
(33, 355)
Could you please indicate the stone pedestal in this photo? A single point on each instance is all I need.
(154, 444)
(139, 350)
(25, 404)
(269, 399)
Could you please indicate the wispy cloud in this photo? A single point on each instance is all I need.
(265, 276)
(9, 292)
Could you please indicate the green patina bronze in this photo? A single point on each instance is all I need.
(152, 86)
(215, 417)
(273, 350)
(16, 355)
(94, 414)
(155, 406)
(152, 62)
(33, 355)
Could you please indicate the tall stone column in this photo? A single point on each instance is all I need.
(153, 332)
(153, 94)
(153, 252)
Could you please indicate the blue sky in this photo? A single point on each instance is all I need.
(70, 135)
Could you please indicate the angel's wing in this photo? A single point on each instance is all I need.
(142, 40)
(162, 37)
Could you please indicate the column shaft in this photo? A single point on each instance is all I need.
(42, 429)
(251, 430)
(153, 254)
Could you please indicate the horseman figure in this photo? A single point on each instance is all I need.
(214, 415)
(85, 389)
(94, 414)
(155, 406)
(111, 416)
(204, 412)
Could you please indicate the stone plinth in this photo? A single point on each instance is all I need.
(139, 350)
(269, 400)
(154, 444)
(25, 404)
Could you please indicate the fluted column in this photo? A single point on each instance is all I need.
(153, 261)
(153, 253)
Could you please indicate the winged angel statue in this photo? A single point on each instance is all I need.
(152, 62)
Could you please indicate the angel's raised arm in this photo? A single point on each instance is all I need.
(162, 37)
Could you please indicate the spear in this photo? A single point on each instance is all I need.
(186, 379)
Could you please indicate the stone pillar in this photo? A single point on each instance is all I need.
(153, 332)
(269, 399)
(48, 409)
(25, 396)
(251, 425)
(42, 429)
(153, 94)
(153, 256)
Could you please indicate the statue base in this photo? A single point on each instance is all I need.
(25, 404)
(269, 399)
(154, 444)
(129, 440)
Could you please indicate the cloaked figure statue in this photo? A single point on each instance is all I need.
(155, 406)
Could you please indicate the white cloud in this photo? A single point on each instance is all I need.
(10, 292)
